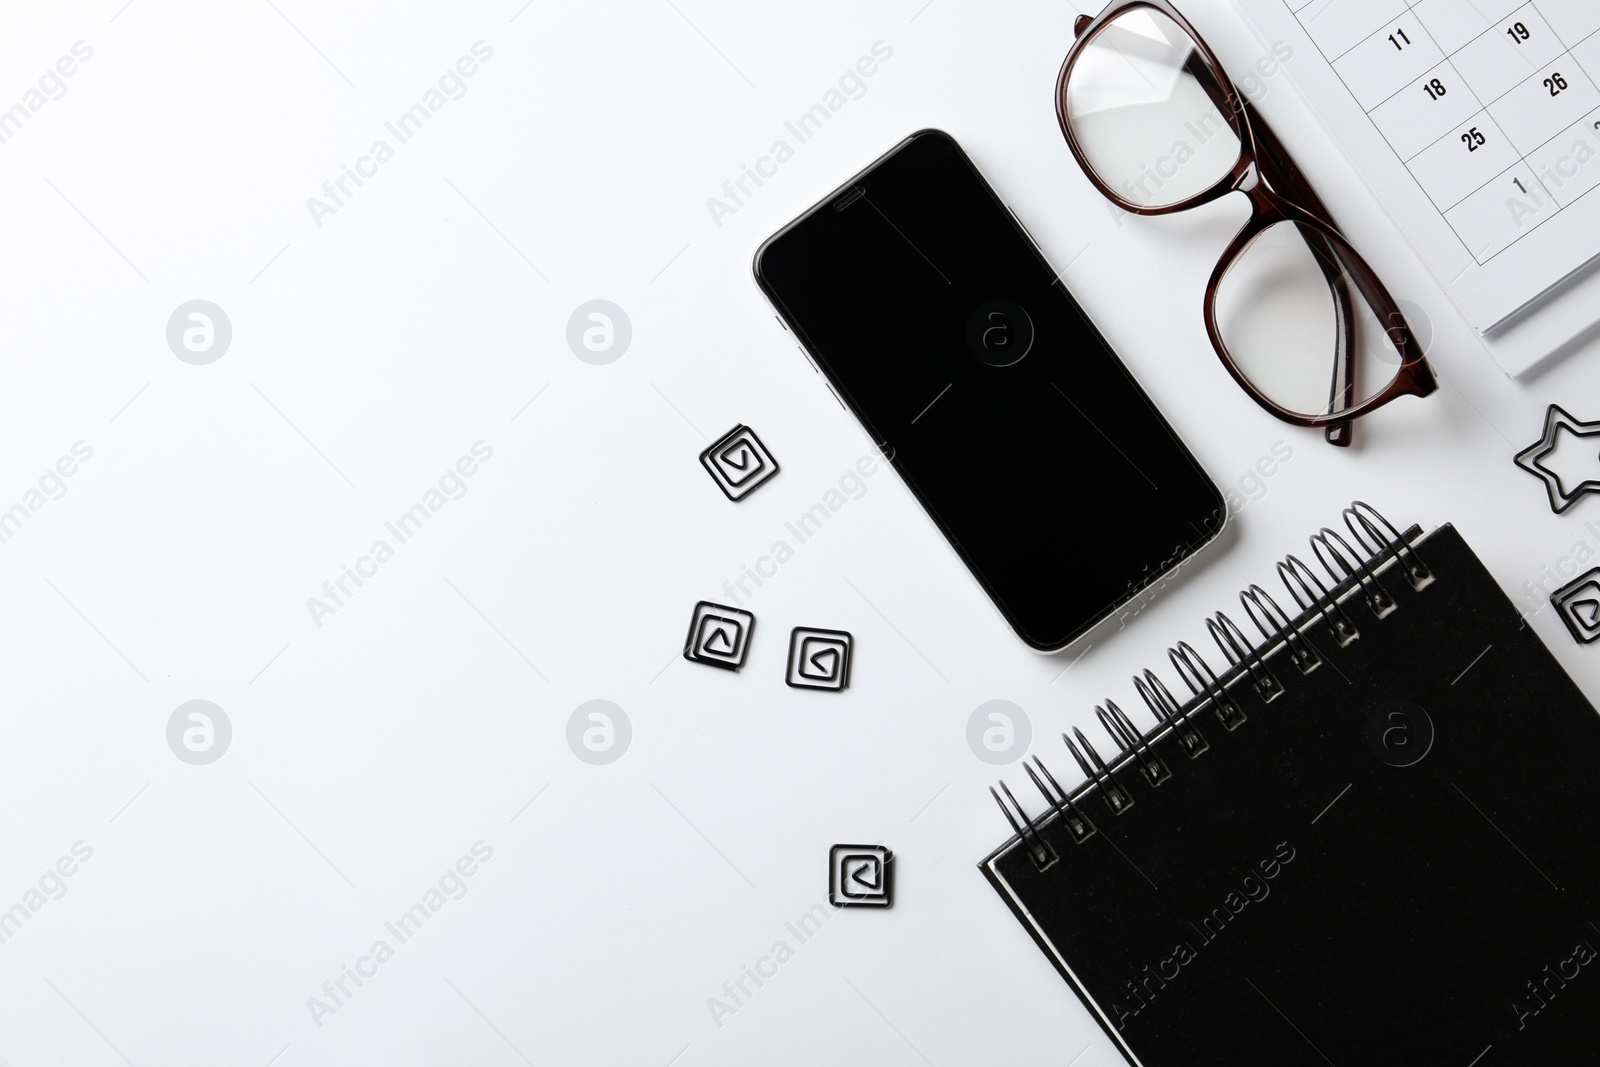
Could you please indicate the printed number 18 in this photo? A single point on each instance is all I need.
(1435, 89)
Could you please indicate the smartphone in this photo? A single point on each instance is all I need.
(939, 325)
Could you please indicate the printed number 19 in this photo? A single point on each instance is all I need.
(1518, 32)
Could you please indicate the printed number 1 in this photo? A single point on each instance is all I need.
(1401, 42)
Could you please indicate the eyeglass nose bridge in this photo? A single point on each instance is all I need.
(1081, 24)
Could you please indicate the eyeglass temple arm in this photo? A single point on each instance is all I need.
(1273, 158)
(1342, 389)
(1280, 173)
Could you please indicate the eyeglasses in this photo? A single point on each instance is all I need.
(1296, 315)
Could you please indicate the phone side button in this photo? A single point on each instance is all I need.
(836, 397)
(781, 323)
(809, 360)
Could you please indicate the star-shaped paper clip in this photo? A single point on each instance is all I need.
(1531, 459)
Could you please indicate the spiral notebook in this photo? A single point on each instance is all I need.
(1371, 839)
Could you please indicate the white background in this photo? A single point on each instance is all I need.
(371, 752)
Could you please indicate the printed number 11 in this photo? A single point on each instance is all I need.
(1401, 42)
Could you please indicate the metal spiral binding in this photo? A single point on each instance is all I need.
(1226, 633)
(1201, 679)
(1117, 798)
(1038, 848)
(1381, 543)
(1166, 709)
(1115, 721)
(1301, 654)
(1078, 823)
(1362, 513)
(1377, 597)
(1338, 620)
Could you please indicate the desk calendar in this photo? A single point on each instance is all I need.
(1477, 123)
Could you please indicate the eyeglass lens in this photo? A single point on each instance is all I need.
(1293, 322)
(1143, 120)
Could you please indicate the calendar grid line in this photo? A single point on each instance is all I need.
(1481, 106)
(1515, 82)
(1496, 29)
(1547, 193)
(1446, 209)
(1572, 50)
(1524, 162)
(1481, 118)
(1411, 6)
(1385, 138)
(1450, 59)
(1534, 75)
(1484, 108)
(1559, 208)
(1363, 40)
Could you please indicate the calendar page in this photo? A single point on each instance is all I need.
(1476, 122)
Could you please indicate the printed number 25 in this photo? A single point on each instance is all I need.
(1472, 139)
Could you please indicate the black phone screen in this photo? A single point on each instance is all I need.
(943, 329)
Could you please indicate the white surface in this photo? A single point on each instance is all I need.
(1506, 228)
(369, 754)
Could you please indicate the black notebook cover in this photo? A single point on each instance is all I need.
(1328, 884)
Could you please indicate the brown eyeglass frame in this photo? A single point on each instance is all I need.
(1278, 192)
